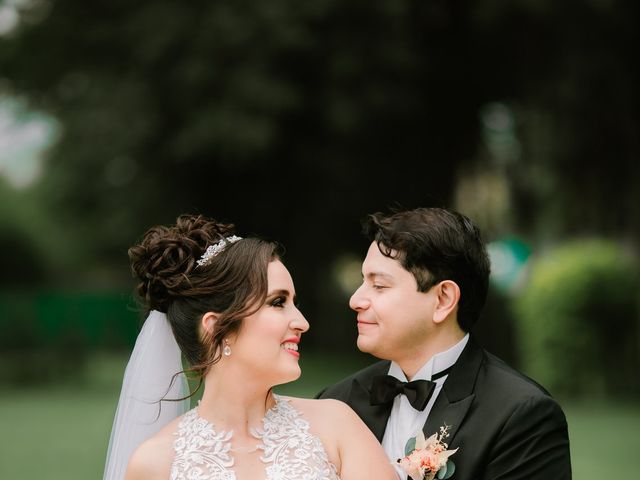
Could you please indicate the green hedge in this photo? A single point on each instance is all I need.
(47, 335)
(578, 320)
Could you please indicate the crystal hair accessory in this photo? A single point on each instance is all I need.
(216, 248)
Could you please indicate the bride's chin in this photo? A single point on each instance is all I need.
(290, 376)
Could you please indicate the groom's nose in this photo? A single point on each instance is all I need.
(358, 301)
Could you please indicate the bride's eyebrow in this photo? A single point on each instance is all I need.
(281, 292)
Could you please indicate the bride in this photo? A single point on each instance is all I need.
(230, 305)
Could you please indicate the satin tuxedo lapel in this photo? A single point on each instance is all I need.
(374, 416)
(457, 395)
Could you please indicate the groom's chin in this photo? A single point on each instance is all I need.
(365, 344)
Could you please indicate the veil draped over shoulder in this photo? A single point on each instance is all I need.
(148, 378)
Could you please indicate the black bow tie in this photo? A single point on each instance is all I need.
(386, 387)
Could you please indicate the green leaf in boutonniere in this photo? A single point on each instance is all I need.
(426, 459)
(410, 446)
(446, 471)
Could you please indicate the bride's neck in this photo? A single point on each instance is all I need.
(233, 403)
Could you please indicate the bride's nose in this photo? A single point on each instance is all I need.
(299, 322)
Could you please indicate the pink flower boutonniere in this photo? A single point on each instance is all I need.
(426, 459)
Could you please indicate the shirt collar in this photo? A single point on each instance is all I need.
(439, 362)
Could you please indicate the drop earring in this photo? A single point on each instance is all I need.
(227, 349)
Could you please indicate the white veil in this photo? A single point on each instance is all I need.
(154, 362)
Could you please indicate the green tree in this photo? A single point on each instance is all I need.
(296, 119)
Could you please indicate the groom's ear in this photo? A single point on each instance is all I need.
(207, 322)
(448, 295)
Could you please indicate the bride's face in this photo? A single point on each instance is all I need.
(267, 344)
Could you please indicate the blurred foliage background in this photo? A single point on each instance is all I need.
(294, 120)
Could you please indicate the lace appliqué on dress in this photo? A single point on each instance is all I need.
(201, 452)
(290, 451)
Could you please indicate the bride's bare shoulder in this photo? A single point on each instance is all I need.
(153, 458)
(325, 410)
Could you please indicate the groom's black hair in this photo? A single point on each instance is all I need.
(436, 244)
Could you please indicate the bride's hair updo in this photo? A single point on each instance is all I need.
(232, 284)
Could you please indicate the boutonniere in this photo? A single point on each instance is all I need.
(426, 459)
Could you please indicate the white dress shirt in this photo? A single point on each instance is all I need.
(405, 421)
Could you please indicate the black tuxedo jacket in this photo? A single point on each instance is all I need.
(505, 425)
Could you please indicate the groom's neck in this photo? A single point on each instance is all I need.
(411, 361)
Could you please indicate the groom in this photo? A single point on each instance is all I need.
(425, 280)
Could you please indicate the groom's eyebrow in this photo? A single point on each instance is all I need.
(373, 275)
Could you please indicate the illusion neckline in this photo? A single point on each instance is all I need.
(267, 414)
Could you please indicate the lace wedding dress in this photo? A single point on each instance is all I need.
(289, 450)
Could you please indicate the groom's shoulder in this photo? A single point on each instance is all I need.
(498, 375)
(507, 393)
(341, 389)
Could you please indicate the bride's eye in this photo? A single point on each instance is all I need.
(278, 302)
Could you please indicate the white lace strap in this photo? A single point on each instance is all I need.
(291, 451)
(200, 452)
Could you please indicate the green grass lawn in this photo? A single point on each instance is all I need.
(605, 439)
(62, 433)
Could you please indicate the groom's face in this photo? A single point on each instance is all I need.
(394, 318)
